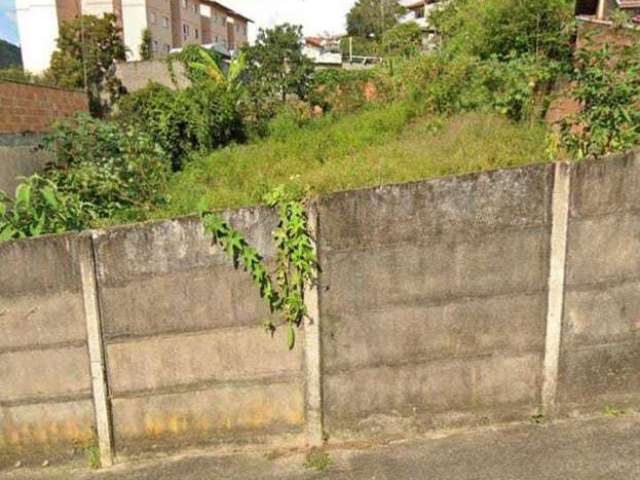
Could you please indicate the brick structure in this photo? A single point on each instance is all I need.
(35, 108)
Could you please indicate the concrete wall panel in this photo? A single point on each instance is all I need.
(223, 355)
(600, 358)
(433, 298)
(227, 412)
(29, 375)
(188, 360)
(45, 386)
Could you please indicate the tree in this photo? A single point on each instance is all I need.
(276, 64)
(146, 47)
(88, 48)
(371, 18)
(402, 40)
(507, 27)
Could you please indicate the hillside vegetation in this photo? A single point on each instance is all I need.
(376, 147)
(273, 124)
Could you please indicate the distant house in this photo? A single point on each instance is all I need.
(602, 9)
(419, 11)
(595, 21)
(324, 51)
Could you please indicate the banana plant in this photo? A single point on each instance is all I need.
(208, 65)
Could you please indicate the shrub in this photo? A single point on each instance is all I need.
(199, 118)
(340, 91)
(607, 86)
(403, 40)
(507, 27)
(110, 168)
(39, 208)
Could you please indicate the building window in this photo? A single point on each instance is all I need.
(185, 31)
(237, 28)
(167, 47)
(153, 18)
(165, 22)
(195, 8)
(196, 33)
(184, 4)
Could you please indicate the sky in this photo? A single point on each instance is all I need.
(316, 16)
(8, 28)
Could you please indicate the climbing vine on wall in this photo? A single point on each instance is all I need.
(296, 262)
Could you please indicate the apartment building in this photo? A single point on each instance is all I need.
(172, 24)
(222, 26)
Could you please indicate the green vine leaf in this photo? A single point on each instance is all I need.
(296, 261)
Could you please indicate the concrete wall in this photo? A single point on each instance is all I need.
(433, 301)
(137, 75)
(453, 301)
(188, 359)
(20, 161)
(46, 405)
(600, 359)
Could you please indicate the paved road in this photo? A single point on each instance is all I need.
(596, 449)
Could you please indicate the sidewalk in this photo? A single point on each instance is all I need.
(601, 448)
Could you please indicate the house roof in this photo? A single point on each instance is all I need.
(315, 41)
(227, 10)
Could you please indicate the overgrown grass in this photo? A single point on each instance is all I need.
(378, 146)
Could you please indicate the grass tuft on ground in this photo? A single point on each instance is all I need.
(384, 145)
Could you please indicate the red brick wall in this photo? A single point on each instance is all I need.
(35, 108)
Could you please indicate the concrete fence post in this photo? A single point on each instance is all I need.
(556, 282)
(312, 360)
(96, 351)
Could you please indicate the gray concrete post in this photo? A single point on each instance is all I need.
(96, 351)
(312, 361)
(556, 282)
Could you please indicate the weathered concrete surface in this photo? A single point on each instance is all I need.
(600, 359)
(441, 276)
(167, 277)
(45, 388)
(137, 75)
(597, 449)
(20, 161)
(188, 360)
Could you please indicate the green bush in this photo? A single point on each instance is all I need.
(40, 208)
(403, 40)
(133, 178)
(507, 27)
(607, 86)
(102, 173)
(340, 91)
(199, 118)
(515, 87)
